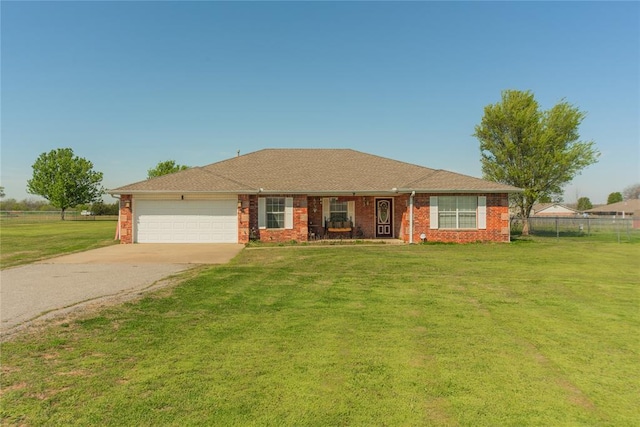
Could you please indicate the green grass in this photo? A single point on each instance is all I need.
(25, 242)
(538, 332)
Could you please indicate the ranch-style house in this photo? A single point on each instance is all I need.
(279, 195)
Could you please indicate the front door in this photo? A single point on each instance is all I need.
(384, 217)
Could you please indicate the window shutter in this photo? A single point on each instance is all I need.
(326, 209)
(288, 213)
(482, 212)
(351, 212)
(262, 212)
(433, 212)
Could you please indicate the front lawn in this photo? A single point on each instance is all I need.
(23, 242)
(540, 332)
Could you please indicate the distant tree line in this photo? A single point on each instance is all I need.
(97, 208)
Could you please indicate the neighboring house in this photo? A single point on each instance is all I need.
(625, 209)
(279, 195)
(553, 210)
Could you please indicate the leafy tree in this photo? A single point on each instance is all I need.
(545, 198)
(101, 208)
(614, 197)
(165, 168)
(584, 204)
(65, 180)
(1, 192)
(538, 151)
(550, 198)
(632, 192)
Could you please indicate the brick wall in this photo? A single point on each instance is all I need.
(126, 219)
(300, 230)
(303, 214)
(364, 221)
(497, 222)
(244, 217)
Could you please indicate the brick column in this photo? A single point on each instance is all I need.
(244, 224)
(126, 219)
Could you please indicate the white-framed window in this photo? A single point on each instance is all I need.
(338, 211)
(458, 212)
(275, 212)
(334, 210)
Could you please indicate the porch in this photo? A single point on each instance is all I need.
(355, 217)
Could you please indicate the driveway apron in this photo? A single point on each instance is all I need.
(56, 285)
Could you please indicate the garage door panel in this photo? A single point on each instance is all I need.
(164, 221)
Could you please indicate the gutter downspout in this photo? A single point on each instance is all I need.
(413, 193)
(117, 236)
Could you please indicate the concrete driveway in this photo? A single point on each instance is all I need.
(58, 285)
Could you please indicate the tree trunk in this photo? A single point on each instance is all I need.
(525, 226)
(62, 214)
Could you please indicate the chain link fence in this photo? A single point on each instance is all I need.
(596, 228)
(42, 216)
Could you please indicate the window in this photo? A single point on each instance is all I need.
(275, 212)
(457, 211)
(335, 210)
(339, 211)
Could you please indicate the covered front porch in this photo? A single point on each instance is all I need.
(355, 217)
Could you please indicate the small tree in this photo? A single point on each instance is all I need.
(584, 204)
(614, 197)
(2, 192)
(65, 180)
(632, 192)
(165, 168)
(538, 151)
(101, 208)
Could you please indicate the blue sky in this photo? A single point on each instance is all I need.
(130, 84)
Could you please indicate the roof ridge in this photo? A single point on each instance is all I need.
(226, 178)
(162, 176)
(423, 177)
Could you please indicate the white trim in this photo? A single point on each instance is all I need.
(482, 213)
(262, 212)
(184, 196)
(433, 212)
(326, 209)
(351, 212)
(288, 213)
(411, 201)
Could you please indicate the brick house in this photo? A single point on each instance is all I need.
(553, 210)
(278, 195)
(625, 209)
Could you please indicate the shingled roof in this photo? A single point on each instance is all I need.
(330, 171)
(626, 206)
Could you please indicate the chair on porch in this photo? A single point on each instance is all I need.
(338, 228)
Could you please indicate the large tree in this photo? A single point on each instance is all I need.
(165, 168)
(65, 180)
(614, 197)
(538, 151)
(584, 204)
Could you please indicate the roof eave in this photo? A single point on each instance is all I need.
(321, 192)
(460, 190)
(120, 192)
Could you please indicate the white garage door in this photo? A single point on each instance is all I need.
(186, 221)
